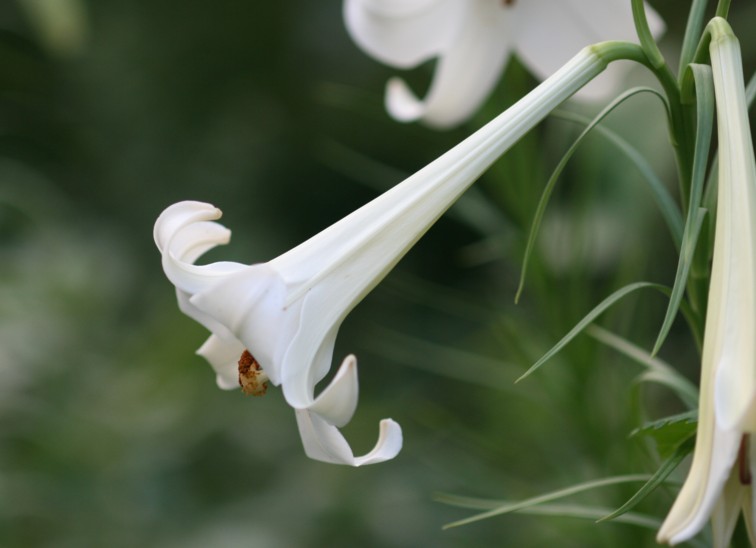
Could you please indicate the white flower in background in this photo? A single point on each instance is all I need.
(286, 312)
(719, 482)
(473, 40)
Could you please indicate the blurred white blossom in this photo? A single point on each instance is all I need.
(473, 40)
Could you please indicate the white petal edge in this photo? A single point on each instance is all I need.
(338, 402)
(467, 70)
(324, 442)
(223, 356)
(401, 34)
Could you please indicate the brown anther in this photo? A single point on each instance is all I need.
(507, 3)
(744, 466)
(252, 378)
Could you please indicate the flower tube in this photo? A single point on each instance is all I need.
(473, 39)
(718, 485)
(286, 312)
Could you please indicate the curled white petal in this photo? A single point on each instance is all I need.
(397, 32)
(181, 231)
(223, 355)
(337, 403)
(465, 75)
(324, 442)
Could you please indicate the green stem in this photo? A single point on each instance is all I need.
(681, 119)
(647, 41)
(693, 31)
(723, 8)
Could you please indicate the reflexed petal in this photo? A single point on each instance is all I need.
(337, 403)
(325, 443)
(223, 356)
(466, 72)
(401, 33)
(179, 215)
(182, 231)
(387, 447)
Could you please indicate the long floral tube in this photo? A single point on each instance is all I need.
(287, 312)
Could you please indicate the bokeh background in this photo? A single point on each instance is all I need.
(112, 432)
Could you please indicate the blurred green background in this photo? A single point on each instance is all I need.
(112, 432)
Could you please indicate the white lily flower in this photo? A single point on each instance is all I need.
(473, 39)
(719, 482)
(287, 311)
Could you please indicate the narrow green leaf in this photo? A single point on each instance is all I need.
(687, 252)
(704, 88)
(645, 37)
(551, 183)
(693, 31)
(669, 433)
(681, 386)
(589, 318)
(657, 370)
(667, 205)
(657, 479)
(499, 507)
(592, 513)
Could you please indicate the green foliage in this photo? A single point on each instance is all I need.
(671, 434)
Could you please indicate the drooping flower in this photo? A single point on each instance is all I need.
(718, 485)
(286, 312)
(473, 40)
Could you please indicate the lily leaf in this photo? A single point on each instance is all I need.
(657, 370)
(589, 318)
(704, 87)
(499, 507)
(548, 189)
(657, 479)
(670, 433)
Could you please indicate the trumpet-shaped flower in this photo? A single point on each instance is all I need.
(719, 482)
(286, 312)
(473, 39)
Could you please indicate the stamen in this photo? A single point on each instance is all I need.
(252, 378)
(507, 3)
(744, 466)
